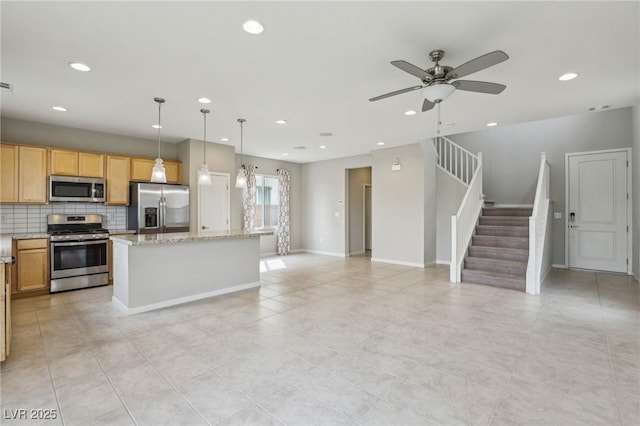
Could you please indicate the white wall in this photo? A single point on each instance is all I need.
(324, 194)
(357, 179)
(511, 156)
(450, 193)
(398, 205)
(43, 134)
(430, 202)
(635, 163)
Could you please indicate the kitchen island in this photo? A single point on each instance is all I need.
(153, 271)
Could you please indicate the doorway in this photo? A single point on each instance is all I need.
(358, 220)
(213, 204)
(598, 192)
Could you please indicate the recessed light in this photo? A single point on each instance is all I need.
(156, 126)
(568, 76)
(492, 124)
(380, 143)
(410, 112)
(225, 139)
(253, 27)
(323, 147)
(285, 154)
(79, 66)
(326, 134)
(281, 121)
(204, 100)
(58, 108)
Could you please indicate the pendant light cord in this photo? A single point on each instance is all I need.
(160, 101)
(204, 145)
(241, 121)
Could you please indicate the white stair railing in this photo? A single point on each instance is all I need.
(538, 227)
(455, 160)
(463, 223)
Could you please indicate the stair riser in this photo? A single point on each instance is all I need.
(504, 221)
(492, 281)
(513, 231)
(491, 241)
(491, 253)
(488, 265)
(505, 211)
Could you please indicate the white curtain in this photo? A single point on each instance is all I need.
(249, 217)
(284, 234)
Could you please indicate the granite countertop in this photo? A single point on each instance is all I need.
(6, 246)
(185, 237)
(122, 232)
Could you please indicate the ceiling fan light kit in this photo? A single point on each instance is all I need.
(438, 92)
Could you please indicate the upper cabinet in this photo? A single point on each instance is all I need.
(8, 173)
(32, 174)
(141, 170)
(117, 180)
(74, 163)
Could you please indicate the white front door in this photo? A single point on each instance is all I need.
(597, 213)
(213, 204)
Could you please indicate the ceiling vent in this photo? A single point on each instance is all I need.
(6, 87)
(299, 147)
(326, 134)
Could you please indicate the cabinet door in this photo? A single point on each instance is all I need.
(90, 164)
(33, 269)
(174, 171)
(63, 162)
(7, 311)
(8, 173)
(32, 175)
(110, 260)
(141, 169)
(117, 180)
(3, 316)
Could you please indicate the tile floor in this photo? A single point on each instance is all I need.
(336, 341)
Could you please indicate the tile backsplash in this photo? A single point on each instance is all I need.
(21, 218)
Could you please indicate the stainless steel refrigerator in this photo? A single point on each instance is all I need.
(158, 208)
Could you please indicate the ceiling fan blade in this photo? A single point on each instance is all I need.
(412, 69)
(477, 64)
(427, 105)
(397, 92)
(479, 86)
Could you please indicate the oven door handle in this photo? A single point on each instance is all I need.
(79, 243)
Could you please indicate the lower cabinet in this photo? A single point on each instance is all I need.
(5, 313)
(32, 266)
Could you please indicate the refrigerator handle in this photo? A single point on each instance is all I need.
(164, 214)
(160, 216)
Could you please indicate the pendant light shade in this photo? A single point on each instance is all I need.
(241, 179)
(204, 178)
(158, 174)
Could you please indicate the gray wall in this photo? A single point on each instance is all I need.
(398, 232)
(511, 156)
(33, 133)
(268, 167)
(636, 191)
(357, 179)
(450, 195)
(324, 194)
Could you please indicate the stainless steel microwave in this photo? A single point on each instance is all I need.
(76, 189)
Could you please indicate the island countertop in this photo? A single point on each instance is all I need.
(184, 237)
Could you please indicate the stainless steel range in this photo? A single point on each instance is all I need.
(78, 251)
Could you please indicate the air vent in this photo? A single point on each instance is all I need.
(299, 147)
(326, 134)
(6, 87)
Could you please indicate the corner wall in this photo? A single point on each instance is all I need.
(635, 163)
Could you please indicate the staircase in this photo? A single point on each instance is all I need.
(499, 248)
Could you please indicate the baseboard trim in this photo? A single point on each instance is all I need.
(357, 253)
(555, 265)
(528, 206)
(324, 253)
(397, 262)
(146, 308)
(443, 262)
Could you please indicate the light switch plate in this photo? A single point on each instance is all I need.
(557, 215)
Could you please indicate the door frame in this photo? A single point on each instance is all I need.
(629, 202)
(228, 176)
(364, 216)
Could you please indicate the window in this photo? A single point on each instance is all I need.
(266, 202)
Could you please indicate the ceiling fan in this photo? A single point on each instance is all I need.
(437, 81)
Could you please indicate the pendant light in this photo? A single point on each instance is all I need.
(241, 179)
(158, 174)
(204, 177)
